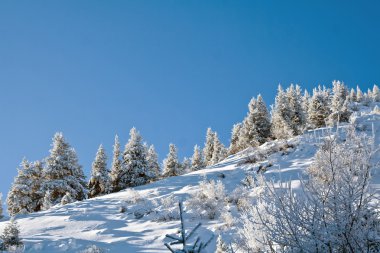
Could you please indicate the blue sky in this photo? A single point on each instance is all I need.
(93, 69)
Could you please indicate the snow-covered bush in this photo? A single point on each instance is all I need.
(240, 198)
(133, 196)
(93, 249)
(167, 209)
(67, 199)
(209, 199)
(376, 110)
(11, 241)
(227, 219)
(334, 210)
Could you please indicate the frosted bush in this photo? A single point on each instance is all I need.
(240, 198)
(133, 196)
(93, 249)
(227, 219)
(376, 110)
(209, 200)
(167, 209)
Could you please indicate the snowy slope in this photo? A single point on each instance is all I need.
(99, 221)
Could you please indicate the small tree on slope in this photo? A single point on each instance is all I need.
(116, 168)
(62, 173)
(339, 104)
(1, 206)
(297, 114)
(25, 195)
(220, 152)
(135, 165)
(99, 183)
(209, 147)
(281, 116)
(319, 108)
(153, 165)
(234, 142)
(197, 162)
(171, 164)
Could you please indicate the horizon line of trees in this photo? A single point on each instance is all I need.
(59, 178)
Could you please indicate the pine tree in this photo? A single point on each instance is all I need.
(10, 237)
(319, 107)
(135, 165)
(297, 115)
(256, 125)
(25, 195)
(197, 162)
(353, 95)
(281, 116)
(99, 183)
(171, 165)
(62, 172)
(339, 104)
(67, 199)
(305, 104)
(153, 165)
(220, 151)
(376, 93)
(209, 146)
(185, 165)
(234, 142)
(359, 94)
(116, 168)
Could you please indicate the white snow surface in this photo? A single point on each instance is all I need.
(98, 221)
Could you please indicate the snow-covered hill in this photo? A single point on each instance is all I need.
(137, 220)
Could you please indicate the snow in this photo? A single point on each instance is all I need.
(99, 221)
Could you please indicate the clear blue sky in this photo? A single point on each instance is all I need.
(92, 69)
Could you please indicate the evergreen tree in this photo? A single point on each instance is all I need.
(25, 195)
(256, 125)
(305, 104)
(220, 151)
(339, 104)
(153, 165)
(359, 94)
(234, 142)
(99, 183)
(1, 206)
(185, 165)
(62, 172)
(10, 237)
(281, 116)
(297, 114)
(67, 199)
(135, 165)
(197, 162)
(376, 93)
(116, 169)
(171, 165)
(319, 107)
(352, 96)
(209, 146)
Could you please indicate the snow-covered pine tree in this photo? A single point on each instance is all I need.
(171, 165)
(185, 165)
(376, 93)
(256, 125)
(281, 116)
(220, 151)
(339, 104)
(297, 114)
(209, 146)
(62, 172)
(352, 95)
(197, 162)
(67, 199)
(116, 168)
(319, 107)
(11, 237)
(234, 142)
(359, 94)
(135, 165)
(305, 104)
(25, 195)
(153, 165)
(99, 183)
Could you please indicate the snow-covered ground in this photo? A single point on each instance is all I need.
(139, 228)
